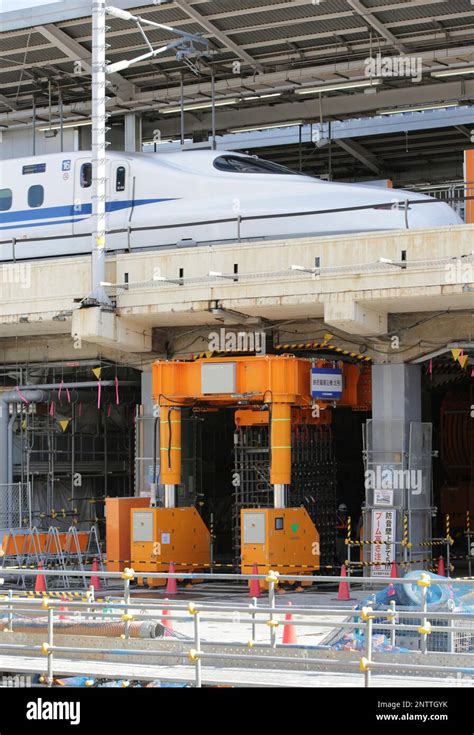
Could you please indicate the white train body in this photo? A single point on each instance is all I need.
(164, 200)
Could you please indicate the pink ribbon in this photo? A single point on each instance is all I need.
(109, 408)
(68, 395)
(117, 399)
(21, 395)
(51, 409)
(99, 393)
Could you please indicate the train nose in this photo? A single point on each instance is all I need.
(428, 212)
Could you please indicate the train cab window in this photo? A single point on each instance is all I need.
(35, 195)
(120, 179)
(5, 199)
(250, 165)
(86, 175)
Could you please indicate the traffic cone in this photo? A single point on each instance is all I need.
(164, 620)
(171, 586)
(63, 608)
(289, 631)
(393, 575)
(40, 585)
(441, 567)
(343, 594)
(254, 589)
(95, 581)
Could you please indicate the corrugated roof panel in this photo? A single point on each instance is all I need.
(425, 11)
(281, 15)
(302, 29)
(9, 43)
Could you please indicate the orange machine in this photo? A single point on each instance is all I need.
(469, 189)
(278, 538)
(117, 534)
(160, 536)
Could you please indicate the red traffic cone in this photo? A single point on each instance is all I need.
(95, 581)
(40, 585)
(63, 608)
(441, 567)
(343, 594)
(254, 589)
(171, 587)
(164, 620)
(393, 575)
(289, 631)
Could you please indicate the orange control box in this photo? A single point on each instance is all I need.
(281, 539)
(117, 535)
(160, 536)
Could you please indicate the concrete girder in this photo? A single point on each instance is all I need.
(354, 318)
(104, 327)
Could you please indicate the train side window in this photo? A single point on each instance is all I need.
(86, 175)
(35, 195)
(120, 179)
(5, 199)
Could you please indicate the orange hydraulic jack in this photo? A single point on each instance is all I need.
(283, 539)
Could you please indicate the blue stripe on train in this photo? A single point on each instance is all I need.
(41, 224)
(70, 210)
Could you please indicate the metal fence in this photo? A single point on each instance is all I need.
(16, 506)
(267, 616)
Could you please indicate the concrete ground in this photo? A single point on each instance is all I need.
(239, 630)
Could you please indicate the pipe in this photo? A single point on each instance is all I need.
(279, 500)
(87, 384)
(108, 628)
(170, 496)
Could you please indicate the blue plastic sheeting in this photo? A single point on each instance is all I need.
(80, 681)
(409, 594)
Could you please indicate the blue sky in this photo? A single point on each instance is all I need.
(7, 5)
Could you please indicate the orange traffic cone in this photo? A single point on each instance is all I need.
(289, 631)
(171, 587)
(95, 581)
(40, 585)
(254, 589)
(164, 620)
(393, 575)
(441, 567)
(343, 594)
(63, 608)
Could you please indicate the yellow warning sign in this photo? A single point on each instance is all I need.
(97, 372)
(456, 353)
(64, 424)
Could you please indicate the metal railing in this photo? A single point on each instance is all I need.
(123, 610)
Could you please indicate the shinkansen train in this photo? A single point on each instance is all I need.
(184, 198)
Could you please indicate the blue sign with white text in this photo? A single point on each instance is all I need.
(326, 383)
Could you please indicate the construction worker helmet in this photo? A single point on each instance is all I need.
(342, 508)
